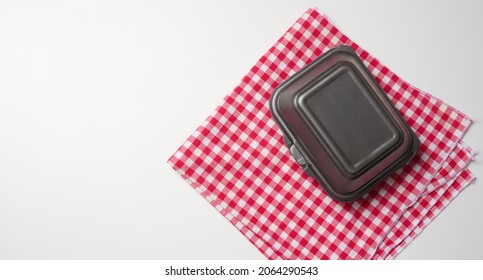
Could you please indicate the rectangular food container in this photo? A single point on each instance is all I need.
(340, 126)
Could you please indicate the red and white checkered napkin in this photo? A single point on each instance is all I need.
(237, 160)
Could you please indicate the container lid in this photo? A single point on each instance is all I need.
(340, 126)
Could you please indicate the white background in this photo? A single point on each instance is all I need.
(95, 96)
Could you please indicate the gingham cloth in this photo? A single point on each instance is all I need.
(237, 161)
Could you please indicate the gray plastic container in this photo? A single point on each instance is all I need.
(340, 126)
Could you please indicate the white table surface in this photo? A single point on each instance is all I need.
(96, 95)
